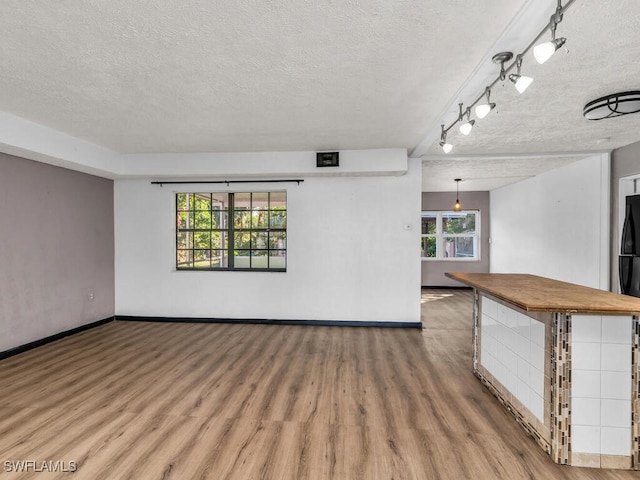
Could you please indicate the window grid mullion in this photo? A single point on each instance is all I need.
(440, 235)
(232, 232)
(195, 251)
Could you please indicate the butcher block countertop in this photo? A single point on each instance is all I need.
(538, 294)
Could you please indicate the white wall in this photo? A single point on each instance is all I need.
(555, 225)
(350, 256)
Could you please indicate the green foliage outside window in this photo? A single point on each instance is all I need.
(449, 235)
(231, 230)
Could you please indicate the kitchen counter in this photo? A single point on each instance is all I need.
(539, 294)
(564, 360)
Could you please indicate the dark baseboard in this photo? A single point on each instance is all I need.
(52, 338)
(251, 321)
(437, 287)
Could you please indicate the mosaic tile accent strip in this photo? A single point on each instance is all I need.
(476, 330)
(635, 393)
(561, 389)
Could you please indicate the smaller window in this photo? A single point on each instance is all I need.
(450, 235)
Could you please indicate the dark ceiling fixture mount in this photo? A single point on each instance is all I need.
(614, 105)
(501, 58)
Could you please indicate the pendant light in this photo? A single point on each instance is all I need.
(457, 206)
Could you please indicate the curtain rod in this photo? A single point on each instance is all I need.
(161, 183)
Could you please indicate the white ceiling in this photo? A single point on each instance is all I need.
(175, 76)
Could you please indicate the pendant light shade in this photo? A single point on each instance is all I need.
(457, 206)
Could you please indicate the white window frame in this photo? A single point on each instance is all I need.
(439, 236)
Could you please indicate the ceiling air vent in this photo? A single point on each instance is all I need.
(614, 105)
(327, 159)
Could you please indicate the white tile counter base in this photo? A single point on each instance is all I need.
(601, 385)
(512, 350)
(564, 360)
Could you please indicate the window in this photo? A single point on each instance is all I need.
(450, 235)
(231, 231)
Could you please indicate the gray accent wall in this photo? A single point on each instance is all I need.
(625, 162)
(56, 250)
(433, 271)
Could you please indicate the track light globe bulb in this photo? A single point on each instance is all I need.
(545, 51)
(484, 109)
(446, 147)
(466, 127)
(520, 81)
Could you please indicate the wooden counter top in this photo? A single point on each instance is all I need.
(539, 294)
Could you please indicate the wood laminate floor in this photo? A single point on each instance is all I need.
(223, 401)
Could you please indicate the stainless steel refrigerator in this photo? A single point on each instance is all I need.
(629, 259)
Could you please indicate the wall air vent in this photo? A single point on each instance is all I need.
(327, 159)
(614, 105)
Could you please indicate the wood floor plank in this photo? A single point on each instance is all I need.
(227, 401)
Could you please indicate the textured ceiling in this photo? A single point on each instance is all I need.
(599, 58)
(482, 174)
(200, 76)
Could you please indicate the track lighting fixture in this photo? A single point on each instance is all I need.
(483, 109)
(457, 206)
(543, 51)
(446, 147)
(520, 81)
(465, 128)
